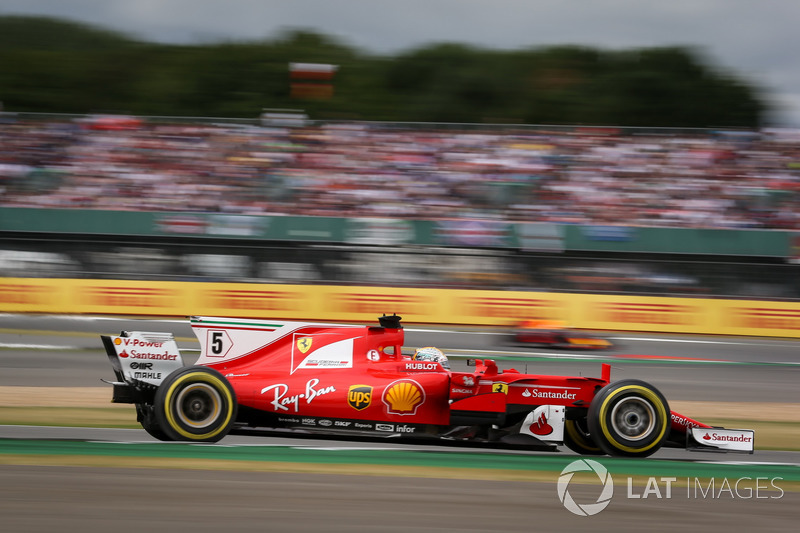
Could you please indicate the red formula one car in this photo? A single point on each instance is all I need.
(555, 334)
(263, 374)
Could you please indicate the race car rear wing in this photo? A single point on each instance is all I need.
(141, 360)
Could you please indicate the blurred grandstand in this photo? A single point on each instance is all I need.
(638, 177)
(602, 177)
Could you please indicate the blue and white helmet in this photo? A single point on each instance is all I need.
(429, 353)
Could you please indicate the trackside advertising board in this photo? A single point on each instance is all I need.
(424, 306)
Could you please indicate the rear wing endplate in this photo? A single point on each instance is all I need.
(142, 357)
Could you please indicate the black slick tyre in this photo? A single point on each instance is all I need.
(629, 418)
(195, 403)
(146, 417)
(578, 439)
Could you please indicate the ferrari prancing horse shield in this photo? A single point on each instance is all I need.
(304, 344)
(500, 387)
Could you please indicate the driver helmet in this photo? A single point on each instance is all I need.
(429, 353)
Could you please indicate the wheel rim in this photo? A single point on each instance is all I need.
(198, 405)
(633, 418)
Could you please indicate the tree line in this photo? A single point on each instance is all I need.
(56, 66)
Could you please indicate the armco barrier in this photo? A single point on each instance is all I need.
(423, 306)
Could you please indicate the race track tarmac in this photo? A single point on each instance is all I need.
(88, 500)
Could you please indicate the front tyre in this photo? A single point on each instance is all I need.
(629, 418)
(195, 403)
(578, 439)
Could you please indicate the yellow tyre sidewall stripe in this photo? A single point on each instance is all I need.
(578, 437)
(654, 399)
(205, 378)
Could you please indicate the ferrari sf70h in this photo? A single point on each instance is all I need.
(255, 374)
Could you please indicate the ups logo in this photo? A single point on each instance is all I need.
(359, 396)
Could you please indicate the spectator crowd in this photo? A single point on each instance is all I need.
(585, 176)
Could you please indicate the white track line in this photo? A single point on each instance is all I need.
(37, 346)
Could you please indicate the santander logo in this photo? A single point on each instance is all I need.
(727, 438)
(541, 427)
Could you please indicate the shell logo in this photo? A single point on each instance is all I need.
(403, 397)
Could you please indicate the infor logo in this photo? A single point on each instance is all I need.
(586, 509)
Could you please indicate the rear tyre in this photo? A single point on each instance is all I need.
(195, 403)
(146, 417)
(578, 439)
(629, 418)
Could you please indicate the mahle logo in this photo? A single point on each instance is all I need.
(586, 509)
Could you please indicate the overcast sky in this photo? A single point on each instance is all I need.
(755, 40)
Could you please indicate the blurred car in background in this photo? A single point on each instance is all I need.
(107, 122)
(555, 334)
